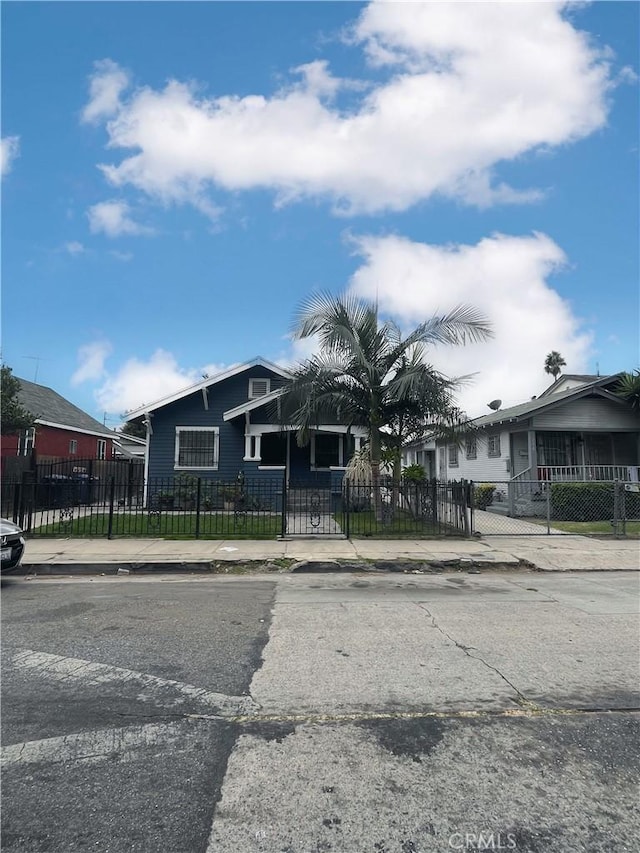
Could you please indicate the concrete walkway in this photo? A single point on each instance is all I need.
(548, 553)
(493, 523)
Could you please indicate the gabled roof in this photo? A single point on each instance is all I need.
(51, 409)
(524, 410)
(581, 378)
(207, 383)
(250, 405)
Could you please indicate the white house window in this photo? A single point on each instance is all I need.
(453, 455)
(73, 447)
(27, 441)
(471, 448)
(258, 388)
(493, 445)
(197, 447)
(102, 449)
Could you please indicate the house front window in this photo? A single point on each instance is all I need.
(197, 448)
(326, 450)
(274, 448)
(453, 455)
(493, 445)
(101, 449)
(471, 448)
(73, 447)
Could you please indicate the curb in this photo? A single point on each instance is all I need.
(269, 567)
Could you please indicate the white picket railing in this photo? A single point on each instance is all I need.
(582, 473)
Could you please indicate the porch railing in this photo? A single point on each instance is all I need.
(584, 473)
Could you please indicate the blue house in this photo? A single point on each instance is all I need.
(228, 426)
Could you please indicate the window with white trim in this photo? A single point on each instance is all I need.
(493, 445)
(27, 441)
(73, 446)
(471, 448)
(258, 388)
(197, 448)
(101, 449)
(453, 455)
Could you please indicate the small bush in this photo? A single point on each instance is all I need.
(483, 495)
(414, 474)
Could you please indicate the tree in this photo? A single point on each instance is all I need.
(134, 428)
(368, 374)
(628, 387)
(15, 417)
(554, 363)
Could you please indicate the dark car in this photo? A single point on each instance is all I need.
(12, 544)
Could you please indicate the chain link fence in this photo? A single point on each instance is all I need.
(545, 507)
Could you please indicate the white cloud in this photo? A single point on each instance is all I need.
(113, 218)
(9, 150)
(465, 87)
(506, 279)
(106, 85)
(74, 248)
(138, 381)
(125, 257)
(91, 358)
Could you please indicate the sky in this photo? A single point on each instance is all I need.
(178, 177)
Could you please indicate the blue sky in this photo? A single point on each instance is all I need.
(178, 177)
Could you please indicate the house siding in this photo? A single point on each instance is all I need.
(589, 413)
(52, 442)
(485, 468)
(190, 412)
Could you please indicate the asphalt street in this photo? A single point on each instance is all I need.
(312, 714)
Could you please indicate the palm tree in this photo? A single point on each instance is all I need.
(554, 363)
(367, 373)
(628, 387)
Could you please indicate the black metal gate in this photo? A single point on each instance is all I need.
(312, 508)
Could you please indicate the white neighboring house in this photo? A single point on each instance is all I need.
(577, 429)
(129, 446)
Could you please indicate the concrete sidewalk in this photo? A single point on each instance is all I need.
(546, 553)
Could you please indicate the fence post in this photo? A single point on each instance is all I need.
(112, 492)
(283, 526)
(466, 503)
(548, 490)
(434, 502)
(347, 509)
(616, 507)
(198, 499)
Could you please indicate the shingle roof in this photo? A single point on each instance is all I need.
(524, 409)
(45, 404)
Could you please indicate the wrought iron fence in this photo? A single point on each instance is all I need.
(529, 507)
(193, 507)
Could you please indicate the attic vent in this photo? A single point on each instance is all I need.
(258, 388)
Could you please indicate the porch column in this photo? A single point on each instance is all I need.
(533, 454)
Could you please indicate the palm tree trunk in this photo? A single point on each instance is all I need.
(376, 453)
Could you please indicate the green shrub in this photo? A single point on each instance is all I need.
(582, 501)
(414, 473)
(483, 495)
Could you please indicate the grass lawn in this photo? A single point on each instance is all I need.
(169, 525)
(402, 524)
(595, 527)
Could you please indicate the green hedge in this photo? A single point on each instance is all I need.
(483, 495)
(590, 502)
